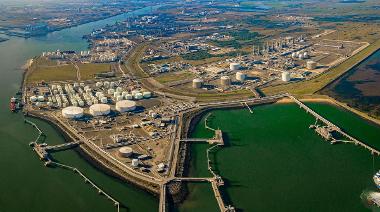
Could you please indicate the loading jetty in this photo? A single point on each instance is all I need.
(329, 129)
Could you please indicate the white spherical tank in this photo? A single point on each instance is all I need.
(100, 109)
(240, 76)
(285, 76)
(197, 83)
(225, 81)
(125, 106)
(234, 66)
(72, 112)
(311, 65)
(125, 152)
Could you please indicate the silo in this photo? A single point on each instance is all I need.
(311, 65)
(197, 83)
(225, 81)
(240, 76)
(147, 94)
(285, 76)
(100, 109)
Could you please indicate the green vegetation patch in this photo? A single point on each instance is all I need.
(89, 70)
(172, 77)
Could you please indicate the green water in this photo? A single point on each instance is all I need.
(25, 184)
(274, 162)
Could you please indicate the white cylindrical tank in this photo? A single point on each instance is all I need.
(33, 98)
(125, 106)
(306, 55)
(41, 98)
(225, 81)
(129, 96)
(139, 96)
(125, 151)
(111, 91)
(311, 65)
(135, 163)
(119, 89)
(72, 112)
(294, 55)
(300, 56)
(100, 109)
(285, 76)
(234, 66)
(147, 94)
(197, 83)
(104, 100)
(119, 98)
(240, 76)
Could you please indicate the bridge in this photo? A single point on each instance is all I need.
(325, 132)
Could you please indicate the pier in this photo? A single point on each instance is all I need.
(326, 131)
(245, 104)
(163, 202)
(217, 139)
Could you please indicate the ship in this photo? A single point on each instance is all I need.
(376, 179)
(12, 104)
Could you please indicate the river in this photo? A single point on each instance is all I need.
(274, 162)
(25, 184)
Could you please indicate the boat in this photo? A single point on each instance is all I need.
(12, 104)
(376, 179)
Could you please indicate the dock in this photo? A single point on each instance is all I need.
(217, 139)
(325, 131)
(245, 104)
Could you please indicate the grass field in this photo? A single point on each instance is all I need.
(88, 71)
(45, 70)
(176, 76)
(312, 86)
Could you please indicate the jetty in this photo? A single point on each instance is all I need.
(327, 131)
(217, 139)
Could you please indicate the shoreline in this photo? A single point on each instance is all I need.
(329, 100)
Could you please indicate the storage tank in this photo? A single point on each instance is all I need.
(119, 89)
(41, 98)
(306, 55)
(240, 76)
(125, 106)
(119, 98)
(129, 96)
(125, 151)
(100, 109)
(285, 76)
(311, 65)
(197, 83)
(72, 112)
(33, 98)
(300, 56)
(234, 66)
(294, 55)
(225, 81)
(135, 163)
(104, 100)
(139, 96)
(147, 94)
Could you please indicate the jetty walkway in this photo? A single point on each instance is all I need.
(325, 132)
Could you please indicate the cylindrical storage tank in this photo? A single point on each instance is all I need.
(147, 94)
(234, 66)
(72, 112)
(197, 83)
(116, 94)
(134, 92)
(81, 103)
(98, 94)
(135, 163)
(124, 93)
(125, 106)
(119, 89)
(33, 98)
(111, 91)
(129, 97)
(285, 76)
(139, 96)
(305, 55)
(240, 76)
(100, 109)
(104, 100)
(106, 84)
(311, 65)
(119, 98)
(225, 81)
(125, 151)
(98, 84)
(112, 85)
(300, 56)
(294, 55)
(41, 98)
